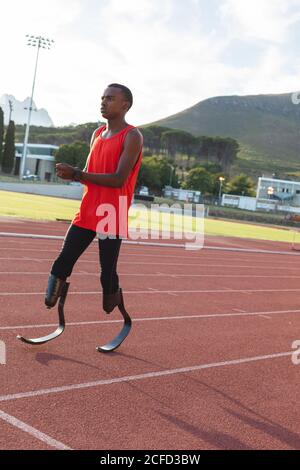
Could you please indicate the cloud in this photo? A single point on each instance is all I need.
(267, 20)
(267, 25)
(171, 54)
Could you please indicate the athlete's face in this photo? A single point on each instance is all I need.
(113, 103)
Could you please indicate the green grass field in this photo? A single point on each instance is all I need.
(36, 207)
(51, 208)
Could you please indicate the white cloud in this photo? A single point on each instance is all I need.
(171, 54)
(261, 19)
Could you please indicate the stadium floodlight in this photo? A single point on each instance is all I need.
(44, 43)
(221, 180)
(270, 191)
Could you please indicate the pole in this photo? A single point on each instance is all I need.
(10, 110)
(171, 174)
(220, 191)
(45, 43)
(24, 155)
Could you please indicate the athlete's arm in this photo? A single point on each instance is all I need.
(91, 145)
(132, 147)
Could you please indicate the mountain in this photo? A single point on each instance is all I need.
(39, 117)
(267, 128)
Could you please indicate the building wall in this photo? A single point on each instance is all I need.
(253, 204)
(280, 187)
(42, 153)
(242, 202)
(45, 166)
(30, 165)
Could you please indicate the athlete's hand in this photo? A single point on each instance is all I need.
(65, 171)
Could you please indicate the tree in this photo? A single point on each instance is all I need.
(8, 157)
(176, 140)
(199, 179)
(211, 167)
(241, 185)
(226, 151)
(155, 173)
(1, 134)
(152, 137)
(74, 154)
(222, 149)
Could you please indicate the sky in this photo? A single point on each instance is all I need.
(170, 53)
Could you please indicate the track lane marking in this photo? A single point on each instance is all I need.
(176, 317)
(158, 244)
(32, 431)
(148, 375)
(205, 291)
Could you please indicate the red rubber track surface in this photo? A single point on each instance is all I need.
(207, 365)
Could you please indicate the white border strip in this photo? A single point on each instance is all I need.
(137, 292)
(33, 431)
(223, 276)
(172, 245)
(176, 317)
(149, 375)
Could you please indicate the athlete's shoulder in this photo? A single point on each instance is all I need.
(99, 130)
(96, 133)
(136, 133)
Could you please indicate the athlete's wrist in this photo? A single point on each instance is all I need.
(77, 175)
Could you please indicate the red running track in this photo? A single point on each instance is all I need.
(208, 364)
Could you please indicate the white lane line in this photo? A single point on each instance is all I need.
(149, 375)
(84, 273)
(156, 263)
(158, 255)
(205, 256)
(33, 431)
(137, 292)
(31, 235)
(176, 317)
(27, 249)
(172, 245)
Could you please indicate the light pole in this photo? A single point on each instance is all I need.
(221, 179)
(171, 173)
(44, 43)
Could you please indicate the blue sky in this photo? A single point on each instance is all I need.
(171, 53)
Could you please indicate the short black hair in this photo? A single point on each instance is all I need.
(126, 92)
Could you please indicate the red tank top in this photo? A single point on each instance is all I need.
(99, 201)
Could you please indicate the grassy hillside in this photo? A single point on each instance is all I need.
(266, 126)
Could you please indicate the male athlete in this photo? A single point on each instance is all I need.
(109, 179)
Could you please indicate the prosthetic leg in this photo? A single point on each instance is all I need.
(57, 289)
(110, 301)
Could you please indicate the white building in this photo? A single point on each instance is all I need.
(39, 160)
(271, 195)
(280, 190)
(182, 194)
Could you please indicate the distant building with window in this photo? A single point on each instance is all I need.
(272, 195)
(182, 194)
(40, 160)
(280, 190)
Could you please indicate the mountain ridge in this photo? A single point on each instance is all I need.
(266, 124)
